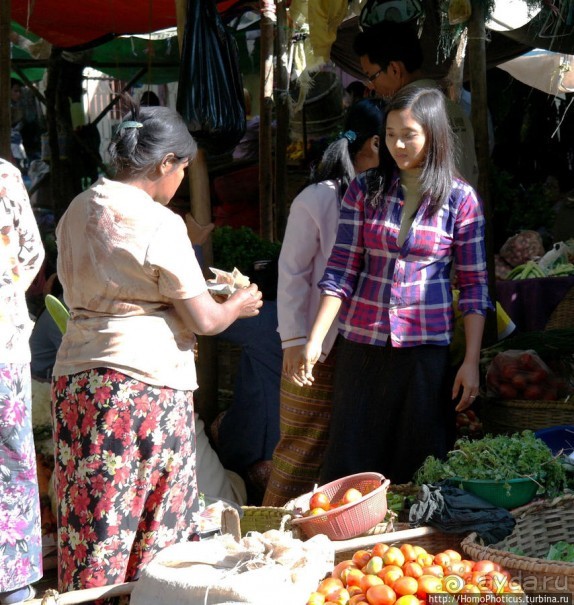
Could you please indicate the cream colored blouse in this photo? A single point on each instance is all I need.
(122, 258)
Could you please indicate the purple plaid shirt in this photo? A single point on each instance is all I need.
(405, 291)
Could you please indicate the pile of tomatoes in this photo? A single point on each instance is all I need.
(407, 575)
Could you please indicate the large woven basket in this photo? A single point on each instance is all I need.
(500, 416)
(538, 525)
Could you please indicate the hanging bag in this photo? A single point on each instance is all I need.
(210, 92)
(399, 11)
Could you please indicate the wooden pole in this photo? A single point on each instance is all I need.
(268, 21)
(282, 115)
(200, 201)
(479, 114)
(5, 88)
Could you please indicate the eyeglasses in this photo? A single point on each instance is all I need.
(372, 78)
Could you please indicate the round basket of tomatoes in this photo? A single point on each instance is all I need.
(344, 508)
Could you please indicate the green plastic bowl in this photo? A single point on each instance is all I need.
(505, 494)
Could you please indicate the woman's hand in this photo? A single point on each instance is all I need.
(249, 300)
(292, 359)
(302, 372)
(468, 379)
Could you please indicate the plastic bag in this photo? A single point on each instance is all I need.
(516, 374)
(210, 91)
(459, 11)
(522, 247)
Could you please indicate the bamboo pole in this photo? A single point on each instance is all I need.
(479, 114)
(282, 110)
(268, 20)
(200, 202)
(5, 88)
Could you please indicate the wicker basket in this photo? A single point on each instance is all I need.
(538, 525)
(563, 314)
(501, 416)
(264, 518)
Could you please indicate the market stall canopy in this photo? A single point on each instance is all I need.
(70, 24)
(120, 58)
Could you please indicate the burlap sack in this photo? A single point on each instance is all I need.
(263, 568)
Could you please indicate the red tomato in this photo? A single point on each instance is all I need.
(355, 590)
(484, 566)
(339, 596)
(369, 580)
(381, 595)
(374, 566)
(408, 551)
(390, 573)
(358, 599)
(405, 585)
(442, 559)
(394, 556)
(496, 581)
(341, 567)
(453, 555)
(319, 500)
(428, 584)
(470, 589)
(425, 559)
(361, 558)
(353, 577)
(413, 569)
(351, 495)
(329, 586)
(434, 570)
(379, 549)
(408, 599)
(316, 598)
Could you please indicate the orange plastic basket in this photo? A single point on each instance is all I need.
(349, 520)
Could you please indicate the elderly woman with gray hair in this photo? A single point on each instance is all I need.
(124, 376)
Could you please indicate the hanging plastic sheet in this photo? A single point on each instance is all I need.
(210, 92)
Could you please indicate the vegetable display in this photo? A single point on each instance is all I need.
(500, 457)
(408, 574)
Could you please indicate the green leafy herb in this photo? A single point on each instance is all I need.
(500, 457)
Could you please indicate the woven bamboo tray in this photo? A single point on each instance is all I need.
(538, 525)
(501, 416)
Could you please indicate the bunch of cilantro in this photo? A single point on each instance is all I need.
(499, 457)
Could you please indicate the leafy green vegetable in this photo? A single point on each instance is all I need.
(241, 247)
(561, 551)
(500, 457)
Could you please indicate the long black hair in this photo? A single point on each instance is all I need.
(364, 120)
(428, 108)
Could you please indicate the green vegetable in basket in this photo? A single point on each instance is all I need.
(561, 551)
(500, 457)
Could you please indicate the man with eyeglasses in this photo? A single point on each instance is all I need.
(391, 58)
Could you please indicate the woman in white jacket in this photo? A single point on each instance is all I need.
(311, 231)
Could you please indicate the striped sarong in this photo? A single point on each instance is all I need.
(305, 415)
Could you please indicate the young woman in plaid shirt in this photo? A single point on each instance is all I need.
(402, 228)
